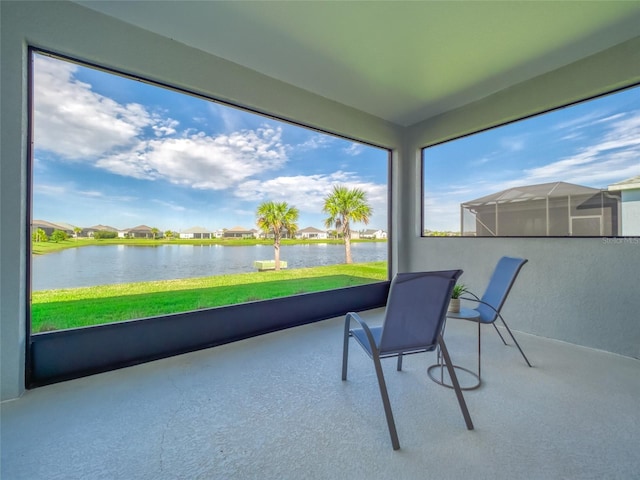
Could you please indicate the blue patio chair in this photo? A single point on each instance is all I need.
(491, 303)
(413, 322)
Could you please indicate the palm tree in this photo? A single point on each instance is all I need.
(40, 236)
(345, 205)
(275, 217)
(76, 232)
(154, 232)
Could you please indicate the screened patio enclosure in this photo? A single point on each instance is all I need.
(556, 209)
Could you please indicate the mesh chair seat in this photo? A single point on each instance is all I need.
(414, 319)
(493, 299)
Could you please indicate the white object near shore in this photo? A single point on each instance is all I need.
(263, 265)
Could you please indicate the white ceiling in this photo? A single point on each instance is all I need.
(403, 61)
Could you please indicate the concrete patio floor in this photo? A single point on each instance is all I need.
(274, 407)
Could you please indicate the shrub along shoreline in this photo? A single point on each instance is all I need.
(41, 248)
(85, 306)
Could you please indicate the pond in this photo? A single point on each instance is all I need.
(111, 264)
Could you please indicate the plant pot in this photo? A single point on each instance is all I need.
(454, 305)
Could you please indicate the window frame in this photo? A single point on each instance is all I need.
(423, 162)
(68, 354)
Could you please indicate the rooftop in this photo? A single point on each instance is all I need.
(628, 184)
(274, 407)
(533, 192)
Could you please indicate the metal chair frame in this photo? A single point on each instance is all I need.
(496, 314)
(497, 310)
(372, 349)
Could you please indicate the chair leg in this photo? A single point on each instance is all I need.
(480, 352)
(399, 367)
(456, 384)
(515, 341)
(386, 403)
(498, 332)
(345, 348)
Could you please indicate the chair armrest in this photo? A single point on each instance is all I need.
(363, 325)
(474, 299)
(477, 300)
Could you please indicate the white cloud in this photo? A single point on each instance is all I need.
(354, 149)
(243, 213)
(51, 190)
(307, 192)
(442, 214)
(164, 126)
(512, 144)
(579, 122)
(576, 128)
(614, 156)
(231, 117)
(573, 136)
(70, 192)
(79, 124)
(200, 161)
(507, 147)
(91, 193)
(169, 205)
(481, 161)
(611, 157)
(75, 122)
(588, 120)
(315, 142)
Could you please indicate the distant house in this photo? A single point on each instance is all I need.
(141, 231)
(629, 190)
(239, 232)
(284, 233)
(311, 233)
(49, 227)
(546, 210)
(377, 234)
(196, 233)
(67, 228)
(90, 231)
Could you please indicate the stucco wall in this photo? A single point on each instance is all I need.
(582, 291)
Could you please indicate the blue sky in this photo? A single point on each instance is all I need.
(594, 144)
(120, 152)
(114, 151)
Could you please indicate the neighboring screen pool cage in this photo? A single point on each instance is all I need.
(557, 209)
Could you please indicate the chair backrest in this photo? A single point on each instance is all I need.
(416, 310)
(499, 287)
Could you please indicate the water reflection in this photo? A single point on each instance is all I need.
(110, 264)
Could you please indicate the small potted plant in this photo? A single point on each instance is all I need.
(454, 303)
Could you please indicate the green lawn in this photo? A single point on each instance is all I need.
(79, 307)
